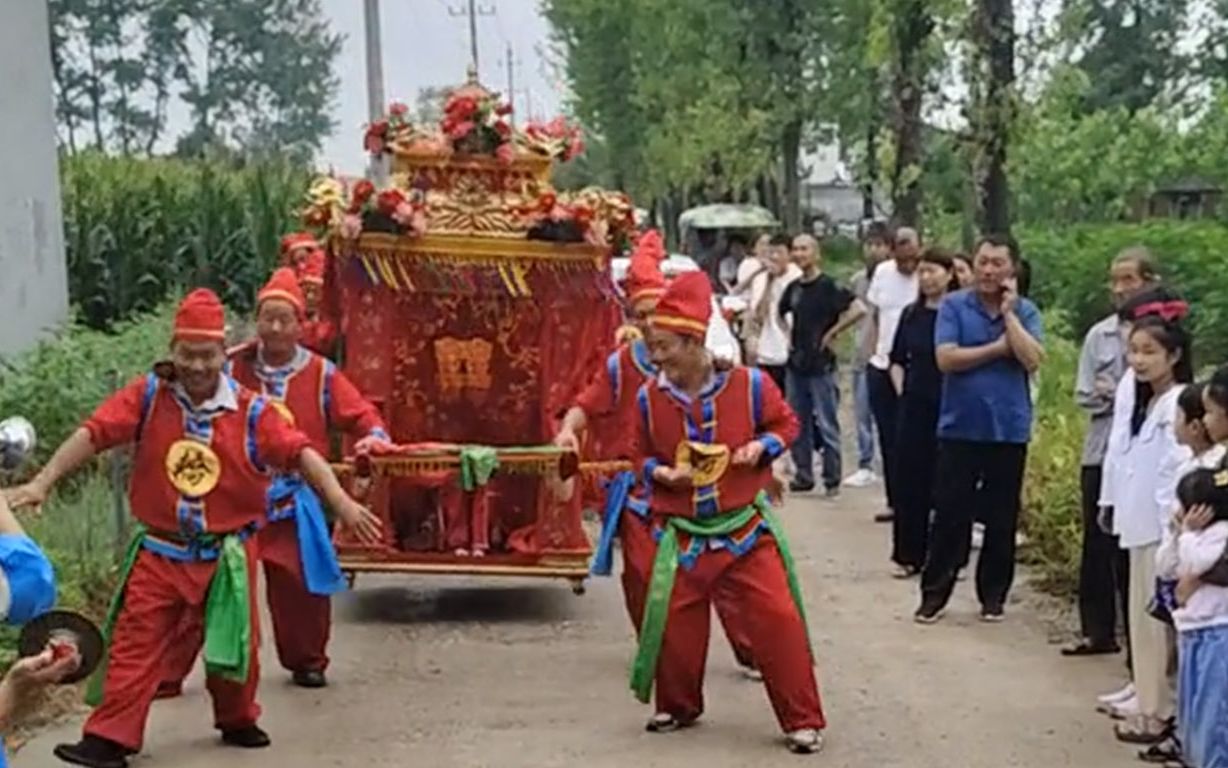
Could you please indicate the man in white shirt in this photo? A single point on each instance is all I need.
(893, 287)
(875, 249)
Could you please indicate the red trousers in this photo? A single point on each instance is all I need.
(159, 593)
(639, 551)
(763, 611)
(302, 621)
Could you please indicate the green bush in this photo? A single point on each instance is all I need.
(1071, 272)
(1051, 496)
(60, 381)
(137, 229)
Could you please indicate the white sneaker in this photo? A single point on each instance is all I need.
(862, 478)
(1124, 710)
(978, 535)
(1118, 696)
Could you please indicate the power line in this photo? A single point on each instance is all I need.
(473, 11)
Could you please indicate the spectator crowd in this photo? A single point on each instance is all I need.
(945, 351)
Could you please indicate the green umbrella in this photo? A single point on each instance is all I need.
(727, 216)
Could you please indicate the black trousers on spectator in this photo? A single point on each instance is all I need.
(885, 405)
(1103, 570)
(917, 459)
(998, 467)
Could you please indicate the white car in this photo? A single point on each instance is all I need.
(720, 342)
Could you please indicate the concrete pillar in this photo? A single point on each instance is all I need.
(33, 273)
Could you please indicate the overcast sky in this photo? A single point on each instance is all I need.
(425, 45)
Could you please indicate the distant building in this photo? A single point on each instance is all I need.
(33, 274)
(1189, 198)
(829, 198)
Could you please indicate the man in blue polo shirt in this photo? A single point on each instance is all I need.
(988, 344)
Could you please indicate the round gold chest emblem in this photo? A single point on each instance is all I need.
(193, 468)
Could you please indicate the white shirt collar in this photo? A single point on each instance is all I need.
(223, 399)
(301, 356)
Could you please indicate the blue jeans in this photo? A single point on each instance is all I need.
(864, 416)
(816, 399)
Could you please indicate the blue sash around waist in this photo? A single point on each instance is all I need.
(289, 497)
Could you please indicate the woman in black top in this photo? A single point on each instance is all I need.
(914, 372)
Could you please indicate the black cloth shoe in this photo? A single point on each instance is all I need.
(310, 678)
(251, 737)
(929, 613)
(94, 752)
(799, 487)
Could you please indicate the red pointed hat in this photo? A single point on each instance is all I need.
(297, 240)
(313, 270)
(686, 306)
(283, 286)
(644, 277)
(200, 317)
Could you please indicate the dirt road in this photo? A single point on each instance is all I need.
(468, 675)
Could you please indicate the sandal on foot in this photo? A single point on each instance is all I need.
(1131, 735)
(806, 741)
(904, 572)
(1163, 753)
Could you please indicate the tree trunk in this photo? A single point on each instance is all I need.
(995, 31)
(791, 146)
(869, 208)
(912, 30)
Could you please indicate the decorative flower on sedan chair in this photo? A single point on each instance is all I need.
(556, 139)
(325, 203)
(383, 132)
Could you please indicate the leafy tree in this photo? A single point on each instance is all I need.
(1129, 48)
(256, 74)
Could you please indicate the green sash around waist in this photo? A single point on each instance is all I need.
(665, 566)
(228, 626)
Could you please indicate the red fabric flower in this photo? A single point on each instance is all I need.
(503, 129)
(377, 133)
(388, 201)
(461, 107)
(361, 194)
(505, 153)
(398, 109)
(460, 130)
(503, 110)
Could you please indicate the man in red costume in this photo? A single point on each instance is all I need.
(706, 441)
(300, 564)
(609, 401)
(318, 334)
(202, 447)
(296, 249)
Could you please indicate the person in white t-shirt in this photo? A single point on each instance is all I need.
(892, 289)
(769, 349)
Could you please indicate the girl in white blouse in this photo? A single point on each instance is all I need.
(1143, 443)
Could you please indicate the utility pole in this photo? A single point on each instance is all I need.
(375, 77)
(473, 11)
(511, 83)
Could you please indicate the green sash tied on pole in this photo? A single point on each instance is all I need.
(665, 567)
(228, 625)
(477, 464)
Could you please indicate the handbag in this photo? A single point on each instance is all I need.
(1163, 601)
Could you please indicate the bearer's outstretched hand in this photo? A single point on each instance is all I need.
(361, 521)
(749, 455)
(371, 444)
(673, 477)
(31, 495)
